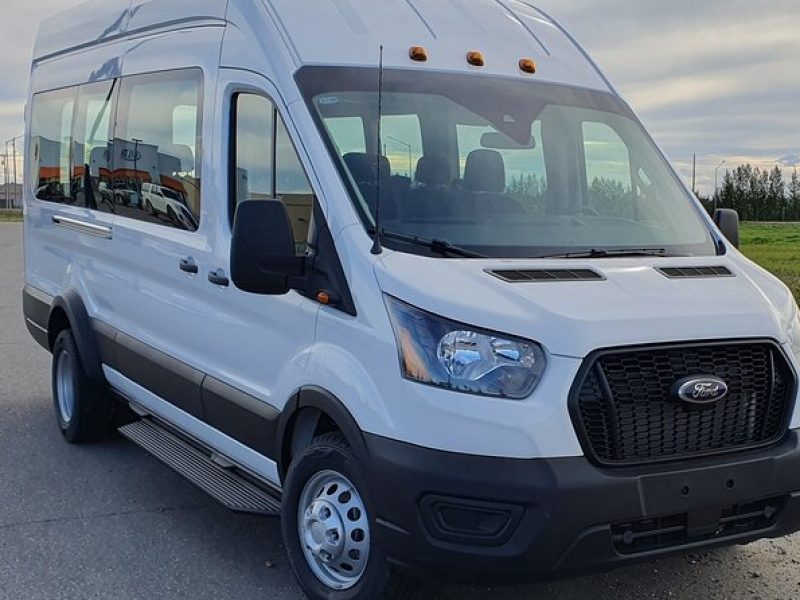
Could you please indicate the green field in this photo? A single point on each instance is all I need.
(776, 247)
(10, 216)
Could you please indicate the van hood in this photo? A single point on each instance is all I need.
(634, 304)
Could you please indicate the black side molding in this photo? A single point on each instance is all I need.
(37, 314)
(243, 417)
(167, 377)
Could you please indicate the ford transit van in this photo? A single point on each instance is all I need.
(408, 274)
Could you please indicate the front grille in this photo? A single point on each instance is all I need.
(625, 413)
(648, 535)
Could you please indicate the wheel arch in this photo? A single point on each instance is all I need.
(69, 311)
(311, 412)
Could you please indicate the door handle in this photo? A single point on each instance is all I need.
(218, 278)
(188, 265)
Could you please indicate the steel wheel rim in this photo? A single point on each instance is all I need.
(333, 525)
(65, 387)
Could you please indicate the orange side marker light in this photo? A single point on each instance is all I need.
(475, 58)
(527, 65)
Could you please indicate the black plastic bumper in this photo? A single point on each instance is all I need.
(522, 520)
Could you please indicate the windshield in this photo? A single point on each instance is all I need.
(501, 167)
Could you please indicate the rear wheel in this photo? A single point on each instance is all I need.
(83, 408)
(327, 526)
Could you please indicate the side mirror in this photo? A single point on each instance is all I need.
(728, 222)
(263, 257)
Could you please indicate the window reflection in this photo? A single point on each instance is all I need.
(51, 137)
(156, 152)
(91, 172)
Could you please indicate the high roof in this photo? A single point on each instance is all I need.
(97, 21)
(350, 32)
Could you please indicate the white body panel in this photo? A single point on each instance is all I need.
(269, 347)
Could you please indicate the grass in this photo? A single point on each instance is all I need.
(776, 247)
(10, 216)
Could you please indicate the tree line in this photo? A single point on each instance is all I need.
(758, 194)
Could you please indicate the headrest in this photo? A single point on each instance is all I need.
(485, 171)
(433, 171)
(386, 167)
(362, 166)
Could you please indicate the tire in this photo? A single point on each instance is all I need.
(329, 458)
(173, 218)
(83, 408)
(149, 208)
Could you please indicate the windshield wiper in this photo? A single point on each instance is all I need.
(613, 253)
(442, 247)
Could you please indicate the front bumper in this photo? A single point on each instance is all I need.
(522, 520)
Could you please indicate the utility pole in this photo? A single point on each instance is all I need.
(4, 160)
(694, 173)
(14, 150)
(7, 173)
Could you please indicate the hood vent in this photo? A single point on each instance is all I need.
(530, 275)
(695, 272)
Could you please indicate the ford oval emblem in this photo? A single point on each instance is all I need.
(700, 389)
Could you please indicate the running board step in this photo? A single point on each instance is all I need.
(224, 485)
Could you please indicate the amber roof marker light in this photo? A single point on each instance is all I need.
(527, 65)
(475, 58)
(418, 53)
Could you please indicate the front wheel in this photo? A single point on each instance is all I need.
(327, 526)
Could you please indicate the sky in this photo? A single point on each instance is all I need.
(716, 78)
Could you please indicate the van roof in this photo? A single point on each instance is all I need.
(350, 32)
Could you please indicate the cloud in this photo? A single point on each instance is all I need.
(714, 78)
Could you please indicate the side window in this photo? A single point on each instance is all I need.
(51, 145)
(254, 147)
(608, 171)
(266, 164)
(91, 169)
(157, 154)
(402, 143)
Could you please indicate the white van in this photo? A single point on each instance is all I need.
(444, 307)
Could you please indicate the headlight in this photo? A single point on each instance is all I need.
(794, 334)
(439, 352)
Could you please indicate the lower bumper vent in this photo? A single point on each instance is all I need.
(648, 535)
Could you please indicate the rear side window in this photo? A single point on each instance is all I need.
(51, 143)
(156, 154)
(402, 143)
(608, 172)
(266, 164)
(91, 168)
(348, 133)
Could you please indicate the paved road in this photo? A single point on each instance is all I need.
(108, 521)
